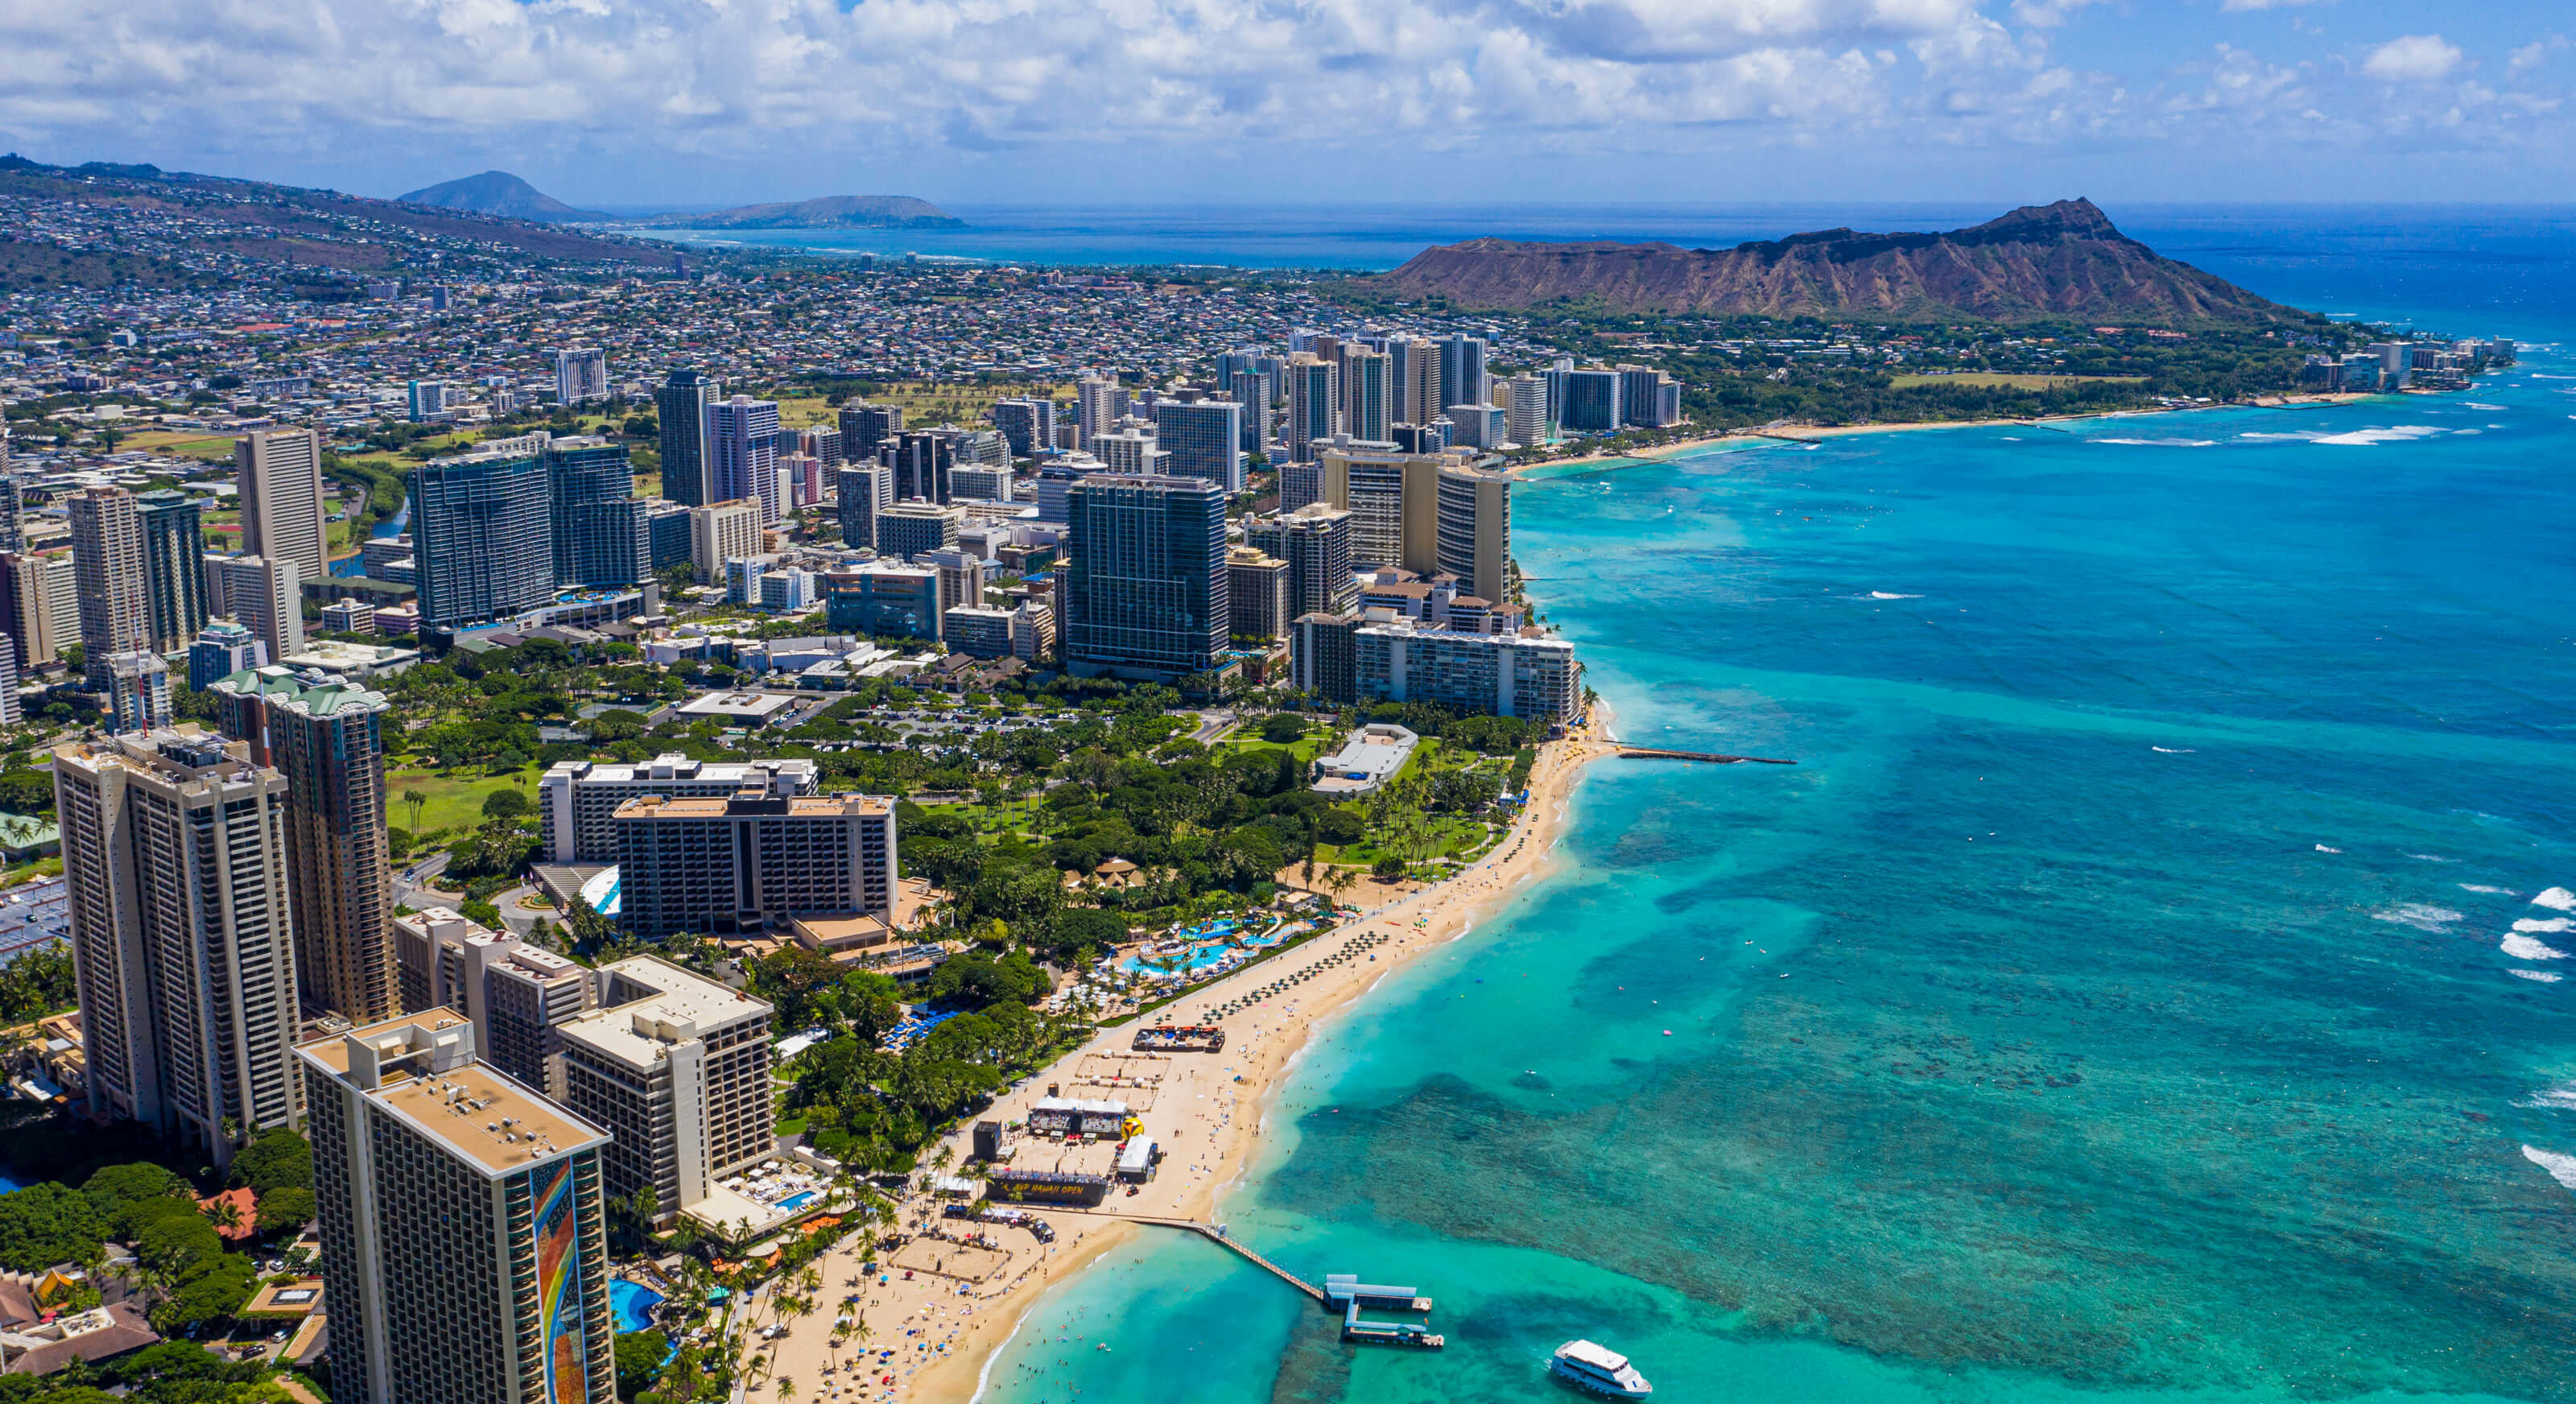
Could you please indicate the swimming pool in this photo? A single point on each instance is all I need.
(798, 1200)
(633, 1302)
(1199, 959)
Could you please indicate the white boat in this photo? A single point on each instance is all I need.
(1599, 1369)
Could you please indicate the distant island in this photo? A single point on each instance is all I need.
(2038, 263)
(499, 193)
(827, 212)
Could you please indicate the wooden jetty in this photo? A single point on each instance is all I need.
(1217, 1235)
(1711, 757)
(1340, 1289)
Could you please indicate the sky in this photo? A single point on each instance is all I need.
(626, 103)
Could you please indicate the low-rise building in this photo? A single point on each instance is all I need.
(1369, 758)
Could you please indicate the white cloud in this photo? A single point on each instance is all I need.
(2263, 4)
(709, 76)
(2048, 14)
(2535, 53)
(628, 99)
(2415, 58)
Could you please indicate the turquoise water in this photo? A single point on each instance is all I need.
(633, 1302)
(2113, 1004)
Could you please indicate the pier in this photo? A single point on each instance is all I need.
(1341, 1289)
(1710, 757)
(1217, 1235)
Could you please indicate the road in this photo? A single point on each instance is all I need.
(419, 875)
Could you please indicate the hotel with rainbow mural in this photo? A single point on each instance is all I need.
(464, 1246)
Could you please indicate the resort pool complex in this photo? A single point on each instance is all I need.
(633, 1302)
(1200, 958)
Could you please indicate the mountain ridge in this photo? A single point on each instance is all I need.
(274, 218)
(2038, 262)
(499, 193)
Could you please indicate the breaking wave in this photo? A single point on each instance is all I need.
(2365, 437)
(2423, 916)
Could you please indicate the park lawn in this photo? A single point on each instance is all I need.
(922, 404)
(455, 801)
(190, 443)
(1305, 747)
(1026, 816)
(1996, 380)
(1450, 835)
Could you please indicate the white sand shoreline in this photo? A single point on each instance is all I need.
(1267, 1042)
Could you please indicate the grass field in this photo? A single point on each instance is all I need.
(922, 404)
(187, 443)
(455, 801)
(1996, 380)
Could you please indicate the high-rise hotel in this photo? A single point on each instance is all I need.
(464, 1236)
(182, 933)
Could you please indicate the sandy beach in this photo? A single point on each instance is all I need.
(1796, 433)
(961, 1303)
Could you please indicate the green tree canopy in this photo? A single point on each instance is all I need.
(116, 1186)
(49, 1223)
(279, 1159)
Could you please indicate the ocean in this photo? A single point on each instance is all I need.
(2134, 993)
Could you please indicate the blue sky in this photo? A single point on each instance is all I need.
(627, 102)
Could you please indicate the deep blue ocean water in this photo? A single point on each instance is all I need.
(2122, 998)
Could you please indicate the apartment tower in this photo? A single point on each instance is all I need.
(264, 596)
(174, 576)
(581, 375)
(517, 996)
(720, 532)
(182, 934)
(327, 737)
(603, 532)
(1144, 593)
(1315, 541)
(279, 472)
(107, 559)
(485, 537)
(742, 454)
(680, 403)
(678, 1069)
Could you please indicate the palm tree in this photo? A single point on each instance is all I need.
(413, 800)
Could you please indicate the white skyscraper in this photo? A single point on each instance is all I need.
(581, 375)
(283, 501)
(1526, 417)
(1096, 407)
